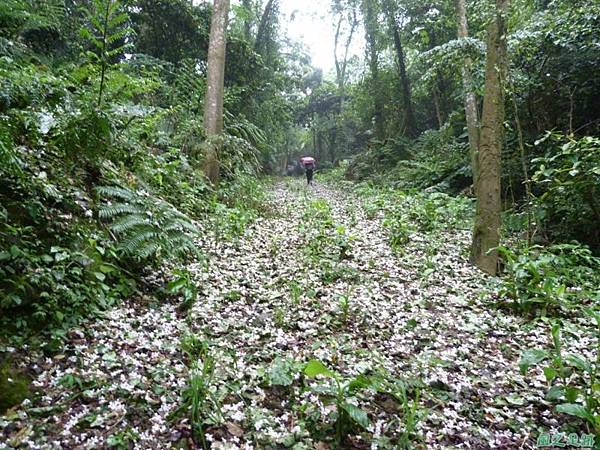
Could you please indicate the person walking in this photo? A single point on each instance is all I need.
(309, 163)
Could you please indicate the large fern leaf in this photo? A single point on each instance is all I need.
(147, 226)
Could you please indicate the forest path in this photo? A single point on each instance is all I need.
(267, 306)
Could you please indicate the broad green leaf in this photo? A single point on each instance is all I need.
(578, 362)
(573, 409)
(571, 393)
(530, 358)
(555, 393)
(515, 400)
(550, 374)
(358, 383)
(357, 415)
(315, 367)
(100, 276)
(556, 337)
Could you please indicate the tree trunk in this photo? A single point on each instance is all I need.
(261, 44)
(371, 27)
(213, 105)
(247, 4)
(411, 125)
(340, 69)
(341, 66)
(486, 234)
(471, 113)
(436, 104)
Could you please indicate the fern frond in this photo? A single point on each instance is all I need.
(114, 191)
(112, 211)
(147, 250)
(128, 222)
(139, 239)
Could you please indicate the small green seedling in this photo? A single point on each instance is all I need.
(344, 391)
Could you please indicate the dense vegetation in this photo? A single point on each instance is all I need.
(141, 214)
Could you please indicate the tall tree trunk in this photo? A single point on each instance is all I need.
(213, 105)
(371, 27)
(247, 4)
(438, 88)
(341, 65)
(486, 234)
(471, 113)
(436, 104)
(340, 69)
(261, 44)
(411, 124)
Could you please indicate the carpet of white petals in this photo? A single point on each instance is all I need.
(124, 374)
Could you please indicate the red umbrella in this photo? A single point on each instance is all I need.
(307, 160)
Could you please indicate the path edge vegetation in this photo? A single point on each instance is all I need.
(117, 156)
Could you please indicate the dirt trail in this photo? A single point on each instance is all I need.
(263, 302)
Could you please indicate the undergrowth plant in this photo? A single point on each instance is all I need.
(573, 380)
(147, 227)
(325, 240)
(550, 280)
(344, 393)
(200, 397)
(106, 31)
(407, 396)
(183, 284)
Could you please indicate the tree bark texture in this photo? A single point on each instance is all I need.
(371, 27)
(486, 234)
(215, 78)
(471, 113)
(411, 124)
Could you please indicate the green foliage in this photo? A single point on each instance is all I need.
(572, 378)
(550, 280)
(107, 33)
(171, 30)
(344, 392)
(199, 397)
(148, 227)
(283, 372)
(123, 439)
(173, 176)
(569, 180)
(183, 284)
(425, 212)
(344, 307)
(399, 231)
(14, 388)
(89, 134)
(326, 242)
(411, 412)
(53, 286)
(23, 16)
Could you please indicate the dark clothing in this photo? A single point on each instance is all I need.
(309, 175)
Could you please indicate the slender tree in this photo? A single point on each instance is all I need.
(472, 115)
(341, 64)
(486, 235)
(371, 31)
(247, 5)
(346, 14)
(213, 105)
(263, 36)
(411, 125)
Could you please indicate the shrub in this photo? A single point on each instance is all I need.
(148, 228)
(569, 179)
(550, 279)
(572, 378)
